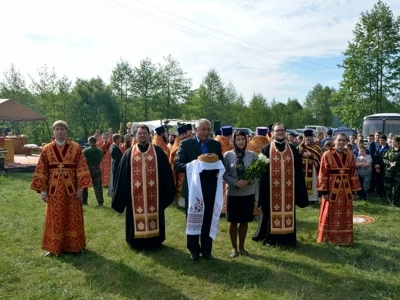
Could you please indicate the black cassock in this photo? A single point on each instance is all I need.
(263, 232)
(122, 196)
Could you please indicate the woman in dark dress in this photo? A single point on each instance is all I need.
(240, 193)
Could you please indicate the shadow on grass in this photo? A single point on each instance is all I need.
(364, 256)
(272, 274)
(117, 278)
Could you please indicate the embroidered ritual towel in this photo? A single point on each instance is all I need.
(196, 201)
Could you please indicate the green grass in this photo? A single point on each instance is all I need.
(109, 269)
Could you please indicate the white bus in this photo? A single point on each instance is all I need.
(385, 123)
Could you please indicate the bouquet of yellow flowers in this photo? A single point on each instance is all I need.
(256, 168)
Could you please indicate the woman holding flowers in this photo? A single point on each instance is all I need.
(240, 191)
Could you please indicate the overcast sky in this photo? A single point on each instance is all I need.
(279, 48)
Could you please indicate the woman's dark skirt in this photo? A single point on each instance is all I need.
(239, 209)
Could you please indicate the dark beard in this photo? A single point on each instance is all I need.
(165, 139)
(128, 144)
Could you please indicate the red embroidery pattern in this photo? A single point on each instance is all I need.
(338, 176)
(60, 172)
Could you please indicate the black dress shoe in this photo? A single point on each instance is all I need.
(194, 257)
(209, 257)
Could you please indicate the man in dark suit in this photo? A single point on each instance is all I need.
(188, 151)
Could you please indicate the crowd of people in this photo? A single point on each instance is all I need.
(145, 174)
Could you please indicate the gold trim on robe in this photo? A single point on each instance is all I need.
(158, 140)
(310, 166)
(337, 177)
(282, 190)
(257, 143)
(178, 177)
(225, 143)
(225, 146)
(62, 171)
(145, 204)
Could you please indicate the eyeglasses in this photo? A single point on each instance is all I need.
(279, 130)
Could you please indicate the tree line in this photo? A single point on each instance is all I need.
(149, 91)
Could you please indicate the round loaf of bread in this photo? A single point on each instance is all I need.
(208, 158)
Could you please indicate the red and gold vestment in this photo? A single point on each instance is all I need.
(61, 172)
(337, 178)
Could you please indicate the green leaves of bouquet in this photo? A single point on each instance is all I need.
(256, 168)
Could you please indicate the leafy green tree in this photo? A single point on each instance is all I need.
(277, 112)
(145, 89)
(258, 111)
(293, 114)
(94, 107)
(121, 78)
(45, 93)
(371, 77)
(174, 88)
(240, 113)
(209, 100)
(213, 97)
(14, 87)
(231, 95)
(317, 101)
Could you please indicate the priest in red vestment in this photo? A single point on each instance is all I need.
(256, 144)
(281, 187)
(259, 141)
(189, 130)
(311, 153)
(225, 138)
(178, 177)
(337, 181)
(105, 165)
(60, 177)
(226, 145)
(127, 143)
(160, 139)
(144, 187)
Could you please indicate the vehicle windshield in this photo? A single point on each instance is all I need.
(371, 126)
(384, 124)
(392, 126)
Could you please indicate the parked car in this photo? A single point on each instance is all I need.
(301, 131)
(345, 130)
(317, 128)
(246, 130)
(295, 132)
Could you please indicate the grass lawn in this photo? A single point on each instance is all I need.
(109, 269)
